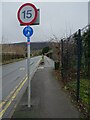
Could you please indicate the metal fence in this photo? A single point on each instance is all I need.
(75, 62)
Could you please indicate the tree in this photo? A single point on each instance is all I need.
(45, 50)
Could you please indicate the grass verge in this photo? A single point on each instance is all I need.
(84, 102)
(11, 61)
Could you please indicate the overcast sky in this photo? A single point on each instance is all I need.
(58, 18)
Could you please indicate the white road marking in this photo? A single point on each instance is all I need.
(40, 67)
(22, 69)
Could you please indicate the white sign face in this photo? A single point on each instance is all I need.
(37, 21)
(27, 14)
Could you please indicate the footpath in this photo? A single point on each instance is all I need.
(47, 97)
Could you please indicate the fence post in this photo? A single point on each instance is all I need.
(67, 55)
(62, 58)
(79, 50)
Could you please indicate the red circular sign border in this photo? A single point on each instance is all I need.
(29, 23)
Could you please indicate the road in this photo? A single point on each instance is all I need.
(14, 82)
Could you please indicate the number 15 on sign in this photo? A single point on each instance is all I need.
(27, 14)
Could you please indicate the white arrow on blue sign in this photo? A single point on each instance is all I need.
(28, 31)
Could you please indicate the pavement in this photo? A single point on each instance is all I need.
(48, 100)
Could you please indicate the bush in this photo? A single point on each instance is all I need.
(57, 65)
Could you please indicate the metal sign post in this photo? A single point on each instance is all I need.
(28, 71)
(28, 15)
(28, 31)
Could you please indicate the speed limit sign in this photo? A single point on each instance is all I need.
(27, 14)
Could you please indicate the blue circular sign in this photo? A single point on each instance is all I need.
(28, 31)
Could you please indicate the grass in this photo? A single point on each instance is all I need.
(84, 91)
(11, 61)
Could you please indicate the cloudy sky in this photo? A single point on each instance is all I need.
(58, 18)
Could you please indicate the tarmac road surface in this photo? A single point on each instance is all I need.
(14, 83)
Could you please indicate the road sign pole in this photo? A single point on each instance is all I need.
(27, 15)
(28, 71)
(28, 31)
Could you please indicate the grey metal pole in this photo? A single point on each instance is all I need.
(28, 72)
